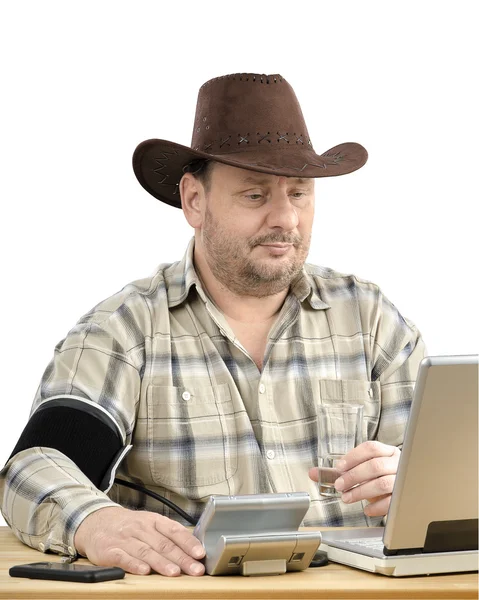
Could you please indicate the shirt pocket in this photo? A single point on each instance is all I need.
(355, 391)
(192, 437)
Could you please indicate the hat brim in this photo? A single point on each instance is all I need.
(159, 164)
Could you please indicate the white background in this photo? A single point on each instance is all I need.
(84, 82)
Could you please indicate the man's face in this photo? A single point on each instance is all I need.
(255, 229)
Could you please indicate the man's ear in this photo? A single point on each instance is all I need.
(191, 192)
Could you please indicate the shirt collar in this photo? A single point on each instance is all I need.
(181, 276)
(304, 288)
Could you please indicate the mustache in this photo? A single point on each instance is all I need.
(277, 238)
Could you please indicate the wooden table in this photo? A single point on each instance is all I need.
(332, 581)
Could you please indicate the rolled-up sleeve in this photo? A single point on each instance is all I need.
(44, 494)
(397, 351)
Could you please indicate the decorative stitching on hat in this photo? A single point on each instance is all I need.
(223, 142)
(165, 156)
(245, 139)
(264, 138)
(336, 156)
(321, 166)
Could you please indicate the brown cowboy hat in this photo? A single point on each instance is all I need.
(244, 120)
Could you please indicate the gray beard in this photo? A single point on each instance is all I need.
(252, 281)
(242, 276)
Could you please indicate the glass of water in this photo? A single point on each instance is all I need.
(339, 431)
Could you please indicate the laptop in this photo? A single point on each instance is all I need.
(431, 526)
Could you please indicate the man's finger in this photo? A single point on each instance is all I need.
(167, 556)
(378, 507)
(140, 559)
(168, 548)
(366, 451)
(377, 487)
(182, 538)
(367, 471)
(116, 557)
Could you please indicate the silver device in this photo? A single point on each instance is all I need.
(256, 534)
(432, 521)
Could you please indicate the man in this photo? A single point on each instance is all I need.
(211, 369)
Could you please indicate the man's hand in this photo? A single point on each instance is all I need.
(139, 542)
(372, 467)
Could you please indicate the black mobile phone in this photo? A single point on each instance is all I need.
(67, 572)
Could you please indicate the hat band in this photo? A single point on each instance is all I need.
(233, 142)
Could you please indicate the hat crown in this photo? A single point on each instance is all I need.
(247, 121)
(245, 110)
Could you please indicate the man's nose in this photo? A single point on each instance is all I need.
(282, 212)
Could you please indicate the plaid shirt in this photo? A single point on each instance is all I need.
(202, 419)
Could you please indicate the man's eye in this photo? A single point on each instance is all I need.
(298, 194)
(254, 196)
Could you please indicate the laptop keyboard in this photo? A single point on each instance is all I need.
(375, 543)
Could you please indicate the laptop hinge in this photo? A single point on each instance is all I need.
(445, 536)
(451, 536)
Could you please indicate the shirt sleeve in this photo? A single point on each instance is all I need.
(44, 495)
(397, 351)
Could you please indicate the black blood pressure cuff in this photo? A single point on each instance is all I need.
(83, 431)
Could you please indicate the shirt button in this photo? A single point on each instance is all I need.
(41, 546)
(186, 395)
(262, 388)
(270, 454)
(370, 392)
